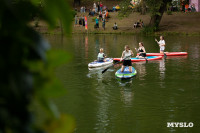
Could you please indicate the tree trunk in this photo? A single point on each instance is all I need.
(155, 19)
(77, 3)
(143, 7)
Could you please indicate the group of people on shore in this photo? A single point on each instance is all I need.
(97, 8)
(127, 53)
(186, 7)
(97, 23)
(79, 21)
(83, 9)
(139, 23)
(102, 16)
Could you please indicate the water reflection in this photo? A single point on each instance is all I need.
(162, 69)
(163, 90)
(86, 47)
(141, 70)
(103, 104)
(127, 96)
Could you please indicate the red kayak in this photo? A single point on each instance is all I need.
(138, 59)
(167, 53)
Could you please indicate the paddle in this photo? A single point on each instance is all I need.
(113, 65)
(164, 54)
(146, 59)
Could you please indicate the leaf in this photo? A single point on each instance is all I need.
(65, 124)
(58, 10)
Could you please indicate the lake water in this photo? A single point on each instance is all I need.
(166, 90)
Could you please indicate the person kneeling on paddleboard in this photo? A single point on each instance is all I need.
(126, 56)
(141, 50)
(101, 56)
(161, 43)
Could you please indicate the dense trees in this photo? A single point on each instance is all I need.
(77, 2)
(156, 8)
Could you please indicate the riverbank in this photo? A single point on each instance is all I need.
(178, 23)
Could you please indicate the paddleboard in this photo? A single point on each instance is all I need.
(167, 53)
(108, 61)
(149, 58)
(125, 74)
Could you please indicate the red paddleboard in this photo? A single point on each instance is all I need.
(167, 53)
(142, 59)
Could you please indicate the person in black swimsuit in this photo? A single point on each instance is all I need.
(141, 51)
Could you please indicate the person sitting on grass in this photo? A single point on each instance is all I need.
(115, 26)
(141, 24)
(91, 13)
(193, 8)
(114, 8)
(136, 24)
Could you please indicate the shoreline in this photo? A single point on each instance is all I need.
(128, 33)
(185, 24)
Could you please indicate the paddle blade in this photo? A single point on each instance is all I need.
(105, 70)
(165, 55)
(146, 59)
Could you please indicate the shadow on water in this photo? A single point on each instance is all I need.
(125, 82)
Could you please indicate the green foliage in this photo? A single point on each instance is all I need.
(125, 9)
(148, 30)
(93, 18)
(62, 125)
(169, 12)
(74, 13)
(154, 6)
(27, 69)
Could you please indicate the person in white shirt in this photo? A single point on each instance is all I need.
(161, 43)
(126, 56)
(115, 26)
(95, 7)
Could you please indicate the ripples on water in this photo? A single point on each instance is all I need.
(162, 91)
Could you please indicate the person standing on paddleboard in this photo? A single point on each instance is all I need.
(126, 56)
(101, 56)
(141, 50)
(161, 43)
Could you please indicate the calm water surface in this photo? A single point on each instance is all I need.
(163, 91)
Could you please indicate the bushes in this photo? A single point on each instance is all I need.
(93, 19)
(169, 12)
(74, 13)
(147, 30)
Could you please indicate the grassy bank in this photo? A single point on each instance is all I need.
(176, 24)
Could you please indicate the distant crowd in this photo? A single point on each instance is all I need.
(100, 13)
